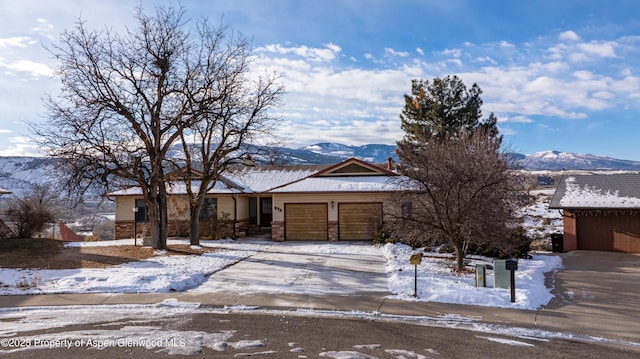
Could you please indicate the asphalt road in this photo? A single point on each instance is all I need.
(283, 336)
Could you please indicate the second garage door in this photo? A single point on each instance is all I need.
(358, 221)
(305, 221)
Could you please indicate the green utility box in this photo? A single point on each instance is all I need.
(481, 275)
(501, 276)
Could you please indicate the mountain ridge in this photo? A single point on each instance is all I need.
(17, 174)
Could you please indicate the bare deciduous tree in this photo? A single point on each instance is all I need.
(235, 115)
(31, 212)
(459, 192)
(127, 100)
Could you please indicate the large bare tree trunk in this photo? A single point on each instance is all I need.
(194, 226)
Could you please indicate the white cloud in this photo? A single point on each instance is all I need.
(601, 49)
(392, 52)
(4, 130)
(514, 119)
(34, 68)
(506, 44)
(569, 35)
(22, 146)
(314, 54)
(452, 52)
(44, 28)
(420, 51)
(486, 59)
(333, 47)
(16, 41)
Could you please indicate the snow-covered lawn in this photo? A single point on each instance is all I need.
(164, 273)
(438, 283)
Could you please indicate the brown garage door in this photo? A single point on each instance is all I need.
(620, 233)
(358, 221)
(305, 221)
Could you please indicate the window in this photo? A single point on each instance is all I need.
(209, 209)
(141, 214)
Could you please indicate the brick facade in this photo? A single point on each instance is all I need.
(277, 231)
(178, 228)
(333, 231)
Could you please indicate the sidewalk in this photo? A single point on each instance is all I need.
(569, 319)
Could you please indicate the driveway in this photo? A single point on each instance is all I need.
(597, 290)
(337, 269)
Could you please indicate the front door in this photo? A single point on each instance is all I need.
(266, 212)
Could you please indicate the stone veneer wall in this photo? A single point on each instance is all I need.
(124, 229)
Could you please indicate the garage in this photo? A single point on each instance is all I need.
(619, 233)
(306, 221)
(601, 212)
(358, 221)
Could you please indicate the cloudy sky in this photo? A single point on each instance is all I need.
(559, 74)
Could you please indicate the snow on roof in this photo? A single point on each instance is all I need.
(180, 187)
(286, 179)
(598, 191)
(340, 184)
(257, 179)
(4, 191)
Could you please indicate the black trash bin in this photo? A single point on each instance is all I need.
(557, 242)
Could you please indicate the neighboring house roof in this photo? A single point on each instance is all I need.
(613, 191)
(4, 191)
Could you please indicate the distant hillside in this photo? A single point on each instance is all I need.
(555, 160)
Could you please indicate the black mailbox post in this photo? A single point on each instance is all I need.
(511, 265)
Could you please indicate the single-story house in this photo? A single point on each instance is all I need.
(345, 201)
(600, 212)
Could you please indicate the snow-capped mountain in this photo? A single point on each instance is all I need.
(370, 153)
(555, 160)
(18, 173)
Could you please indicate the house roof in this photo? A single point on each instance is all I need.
(4, 191)
(351, 175)
(179, 187)
(612, 191)
(262, 179)
(339, 184)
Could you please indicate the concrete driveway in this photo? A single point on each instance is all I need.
(305, 268)
(596, 290)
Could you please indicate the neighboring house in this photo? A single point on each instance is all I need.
(600, 212)
(4, 191)
(341, 202)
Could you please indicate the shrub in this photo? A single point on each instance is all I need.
(217, 227)
(31, 212)
(382, 237)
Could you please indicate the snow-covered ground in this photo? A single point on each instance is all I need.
(166, 273)
(537, 219)
(436, 281)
